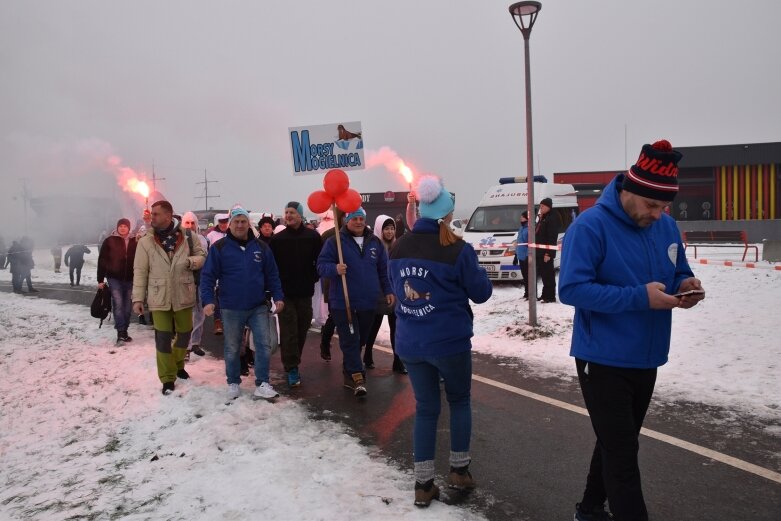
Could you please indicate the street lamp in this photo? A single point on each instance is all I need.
(524, 15)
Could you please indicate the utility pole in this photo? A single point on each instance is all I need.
(155, 178)
(205, 184)
(25, 200)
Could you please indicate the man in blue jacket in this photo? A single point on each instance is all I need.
(522, 251)
(366, 268)
(245, 269)
(622, 266)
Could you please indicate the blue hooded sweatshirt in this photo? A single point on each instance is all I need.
(367, 270)
(606, 262)
(245, 273)
(433, 285)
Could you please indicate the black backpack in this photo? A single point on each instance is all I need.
(101, 304)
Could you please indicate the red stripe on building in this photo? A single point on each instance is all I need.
(766, 190)
(730, 209)
(754, 206)
(741, 209)
(717, 198)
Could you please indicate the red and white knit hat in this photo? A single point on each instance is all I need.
(655, 174)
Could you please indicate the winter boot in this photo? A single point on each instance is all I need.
(198, 351)
(181, 373)
(460, 478)
(425, 493)
(122, 335)
(168, 388)
(141, 317)
(356, 382)
(325, 352)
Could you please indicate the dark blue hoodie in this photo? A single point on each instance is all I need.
(606, 262)
(433, 285)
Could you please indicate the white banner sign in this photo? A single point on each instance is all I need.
(319, 148)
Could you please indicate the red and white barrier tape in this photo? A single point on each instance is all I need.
(541, 246)
(732, 264)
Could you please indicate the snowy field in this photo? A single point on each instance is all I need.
(86, 433)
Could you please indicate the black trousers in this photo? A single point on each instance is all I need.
(548, 276)
(617, 399)
(524, 264)
(294, 322)
(368, 355)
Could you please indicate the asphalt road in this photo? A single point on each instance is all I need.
(530, 457)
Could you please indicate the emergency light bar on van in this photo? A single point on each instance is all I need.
(510, 180)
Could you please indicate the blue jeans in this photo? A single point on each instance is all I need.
(121, 302)
(424, 373)
(233, 322)
(350, 344)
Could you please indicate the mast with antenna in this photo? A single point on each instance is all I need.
(205, 184)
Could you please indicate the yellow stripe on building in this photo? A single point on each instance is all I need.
(773, 191)
(735, 193)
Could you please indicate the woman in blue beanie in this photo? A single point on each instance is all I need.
(434, 275)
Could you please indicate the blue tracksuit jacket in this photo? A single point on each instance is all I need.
(245, 274)
(606, 262)
(433, 285)
(367, 271)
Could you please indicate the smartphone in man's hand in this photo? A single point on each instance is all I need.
(690, 292)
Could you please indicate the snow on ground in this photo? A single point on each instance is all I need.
(724, 352)
(86, 434)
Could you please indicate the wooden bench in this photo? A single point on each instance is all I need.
(720, 239)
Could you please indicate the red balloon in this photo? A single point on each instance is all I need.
(349, 201)
(336, 182)
(319, 201)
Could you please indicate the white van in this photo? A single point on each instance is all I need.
(494, 225)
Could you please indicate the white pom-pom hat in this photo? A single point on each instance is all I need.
(435, 201)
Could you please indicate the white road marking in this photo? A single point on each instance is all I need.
(671, 440)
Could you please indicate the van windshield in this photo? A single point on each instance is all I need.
(496, 219)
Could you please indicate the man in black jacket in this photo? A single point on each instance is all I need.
(547, 233)
(74, 259)
(296, 249)
(115, 262)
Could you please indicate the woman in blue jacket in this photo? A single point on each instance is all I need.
(434, 275)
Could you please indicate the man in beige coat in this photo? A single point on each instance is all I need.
(163, 275)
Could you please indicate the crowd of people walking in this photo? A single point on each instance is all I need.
(253, 278)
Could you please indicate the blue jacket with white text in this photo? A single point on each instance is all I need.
(245, 273)
(367, 270)
(433, 285)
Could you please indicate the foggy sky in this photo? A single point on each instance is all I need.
(194, 85)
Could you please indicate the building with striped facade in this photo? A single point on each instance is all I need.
(717, 183)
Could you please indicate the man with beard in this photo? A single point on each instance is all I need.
(163, 275)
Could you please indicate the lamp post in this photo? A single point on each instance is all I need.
(524, 15)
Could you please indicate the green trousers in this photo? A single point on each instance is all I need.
(171, 350)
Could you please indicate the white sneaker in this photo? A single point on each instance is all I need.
(233, 391)
(265, 391)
